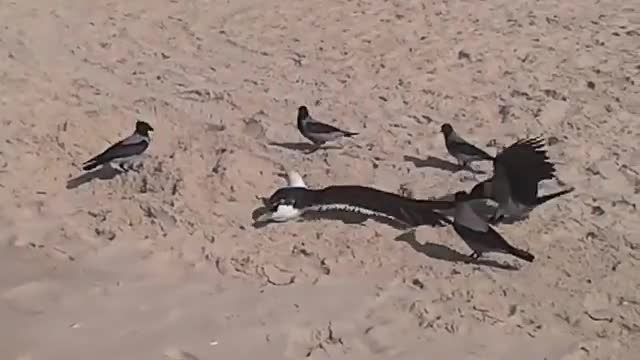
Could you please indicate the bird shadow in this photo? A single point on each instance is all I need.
(302, 146)
(438, 163)
(102, 173)
(337, 215)
(441, 252)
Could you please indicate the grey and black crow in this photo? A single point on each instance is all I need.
(123, 153)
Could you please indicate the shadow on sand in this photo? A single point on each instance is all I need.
(441, 252)
(102, 173)
(304, 147)
(438, 163)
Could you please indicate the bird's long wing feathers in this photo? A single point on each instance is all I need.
(524, 163)
(321, 128)
(123, 148)
(410, 211)
(459, 145)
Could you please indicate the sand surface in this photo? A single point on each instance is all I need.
(164, 264)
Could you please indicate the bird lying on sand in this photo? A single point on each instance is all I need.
(294, 200)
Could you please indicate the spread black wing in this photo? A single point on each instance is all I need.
(413, 212)
(526, 163)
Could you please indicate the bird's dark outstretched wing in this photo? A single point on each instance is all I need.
(413, 212)
(133, 145)
(525, 163)
(529, 155)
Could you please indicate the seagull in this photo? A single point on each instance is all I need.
(123, 153)
(517, 170)
(478, 234)
(464, 152)
(292, 201)
(316, 131)
(281, 209)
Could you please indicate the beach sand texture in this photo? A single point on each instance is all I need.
(165, 264)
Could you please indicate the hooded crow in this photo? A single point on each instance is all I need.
(517, 170)
(123, 153)
(316, 131)
(478, 234)
(464, 152)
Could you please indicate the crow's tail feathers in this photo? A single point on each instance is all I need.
(543, 199)
(521, 254)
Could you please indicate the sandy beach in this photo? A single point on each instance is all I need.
(164, 263)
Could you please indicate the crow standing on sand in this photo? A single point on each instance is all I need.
(517, 170)
(478, 234)
(464, 152)
(123, 153)
(316, 131)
